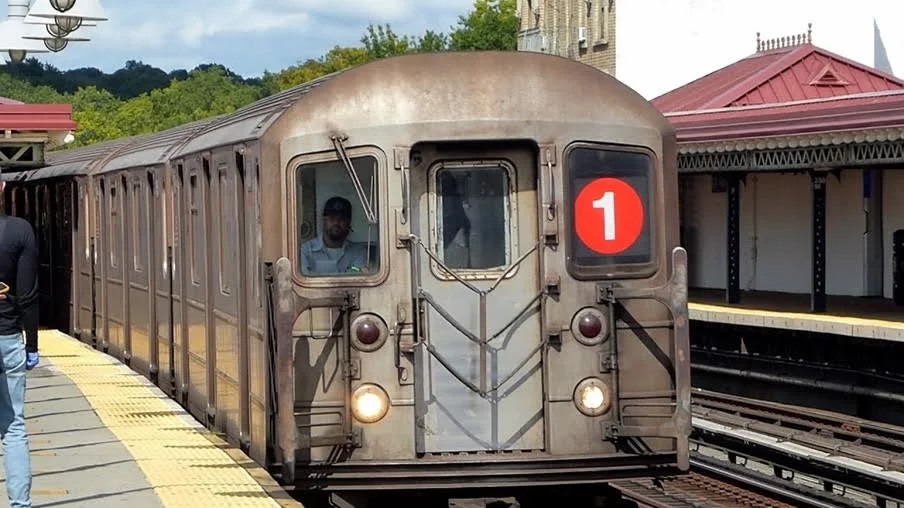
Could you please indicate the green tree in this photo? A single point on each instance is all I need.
(432, 42)
(94, 112)
(382, 42)
(491, 25)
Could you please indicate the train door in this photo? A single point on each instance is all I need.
(83, 263)
(139, 284)
(200, 356)
(127, 270)
(61, 265)
(179, 284)
(163, 307)
(44, 229)
(101, 257)
(226, 288)
(116, 281)
(476, 283)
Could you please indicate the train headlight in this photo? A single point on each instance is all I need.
(589, 326)
(370, 403)
(369, 332)
(592, 397)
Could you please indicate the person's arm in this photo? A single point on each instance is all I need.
(26, 298)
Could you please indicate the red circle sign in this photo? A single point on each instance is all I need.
(608, 215)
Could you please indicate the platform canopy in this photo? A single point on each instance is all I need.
(790, 105)
(26, 130)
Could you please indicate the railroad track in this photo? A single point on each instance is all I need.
(820, 456)
(752, 453)
(693, 490)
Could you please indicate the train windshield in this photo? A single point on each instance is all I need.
(335, 237)
(609, 196)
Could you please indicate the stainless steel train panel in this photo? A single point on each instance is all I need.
(480, 374)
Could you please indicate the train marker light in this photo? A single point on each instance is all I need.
(370, 403)
(589, 326)
(368, 332)
(591, 397)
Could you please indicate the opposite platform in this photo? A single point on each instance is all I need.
(102, 435)
(853, 317)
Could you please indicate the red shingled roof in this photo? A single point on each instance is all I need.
(787, 74)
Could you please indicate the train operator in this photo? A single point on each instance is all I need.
(332, 252)
(18, 312)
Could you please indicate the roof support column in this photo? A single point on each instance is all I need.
(818, 237)
(733, 240)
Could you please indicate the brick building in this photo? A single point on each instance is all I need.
(582, 30)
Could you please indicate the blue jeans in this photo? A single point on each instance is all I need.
(12, 420)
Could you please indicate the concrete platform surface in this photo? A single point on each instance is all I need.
(102, 435)
(855, 317)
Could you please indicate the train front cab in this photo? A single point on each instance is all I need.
(526, 351)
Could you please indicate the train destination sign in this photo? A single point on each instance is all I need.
(608, 216)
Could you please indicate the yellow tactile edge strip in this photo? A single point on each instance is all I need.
(186, 464)
(828, 318)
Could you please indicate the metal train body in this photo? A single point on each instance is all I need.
(179, 252)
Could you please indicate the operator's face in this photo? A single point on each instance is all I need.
(336, 227)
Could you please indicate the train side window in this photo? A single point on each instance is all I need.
(114, 226)
(334, 237)
(193, 227)
(226, 199)
(474, 216)
(139, 226)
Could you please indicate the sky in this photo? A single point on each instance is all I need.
(685, 40)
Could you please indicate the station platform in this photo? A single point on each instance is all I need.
(871, 318)
(101, 435)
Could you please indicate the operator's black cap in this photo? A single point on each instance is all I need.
(337, 206)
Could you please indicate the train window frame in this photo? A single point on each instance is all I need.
(617, 269)
(114, 199)
(512, 246)
(292, 225)
(226, 207)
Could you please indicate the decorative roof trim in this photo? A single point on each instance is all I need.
(803, 140)
(779, 105)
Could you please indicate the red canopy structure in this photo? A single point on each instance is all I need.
(27, 129)
(789, 101)
(789, 107)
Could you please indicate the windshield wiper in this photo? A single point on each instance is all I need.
(365, 202)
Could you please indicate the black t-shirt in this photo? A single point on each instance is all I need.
(19, 271)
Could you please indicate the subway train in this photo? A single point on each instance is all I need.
(449, 272)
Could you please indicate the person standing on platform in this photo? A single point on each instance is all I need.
(18, 313)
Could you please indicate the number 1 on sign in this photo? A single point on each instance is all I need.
(607, 203)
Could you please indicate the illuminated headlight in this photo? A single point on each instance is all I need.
(370, 403)
(592, 397)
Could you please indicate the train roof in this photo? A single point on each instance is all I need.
(427, 73)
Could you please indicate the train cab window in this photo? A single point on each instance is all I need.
(610, 210)
(473, 217)
(335, 237)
